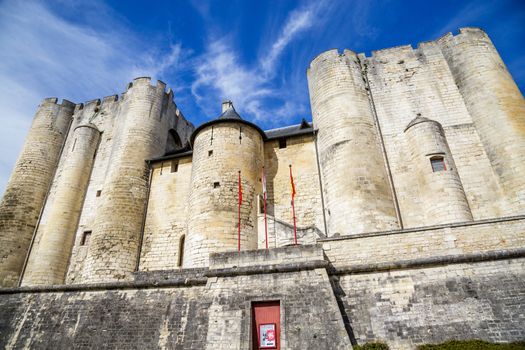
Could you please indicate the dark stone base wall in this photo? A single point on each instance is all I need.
(322, 307)
(125, 319)
(484, 300)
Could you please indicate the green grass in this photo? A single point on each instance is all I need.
(472, 345)
(371, 346)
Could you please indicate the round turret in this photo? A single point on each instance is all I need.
(28, 186)
(141, 134)
(56, 238)
(356, 190)
(222, 148)
(441, 192)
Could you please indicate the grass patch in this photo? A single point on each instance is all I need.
(473, 345)
(371, 346)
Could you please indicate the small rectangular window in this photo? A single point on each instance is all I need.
(282, 143)
(99, 192)
(174, 166)
(85, 238)
(438, 164)
(216, 184)
(210, 153)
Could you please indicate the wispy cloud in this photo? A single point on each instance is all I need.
(45, 55)
(298, 21)
(220, 74)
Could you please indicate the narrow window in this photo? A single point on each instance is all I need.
(181, 250)
(99, 192)
(216, 184)
(282, 143)
(85, 238)
(174, 166)
(74, 143)
(438, 164)
(210, 153)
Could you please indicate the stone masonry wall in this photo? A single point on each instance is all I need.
(405, 308)
(162, 318)
(428, 80)
(166, 216)
(300, 153)
(389, 247)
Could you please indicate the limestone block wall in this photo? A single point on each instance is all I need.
(496, 105)
(165, 227)
(218, 154)
(141, 134)
(357, 194)
(161, 318)
(405, 82)
(441, 192)
(310, 317)
(300, 153)
(48, 261)
(28, 185)
(405, 308)
(412, 244)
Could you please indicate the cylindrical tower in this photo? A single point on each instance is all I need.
(141, 134)
(441, 192)
(222, 148)
(356, 190)
(49, 259)
(28, 186)
(496, 105)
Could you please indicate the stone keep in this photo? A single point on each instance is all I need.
(410, 212)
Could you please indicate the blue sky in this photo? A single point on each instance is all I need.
(253, 52)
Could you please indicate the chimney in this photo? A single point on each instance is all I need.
(226, 105)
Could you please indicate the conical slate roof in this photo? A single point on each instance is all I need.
(230, 113)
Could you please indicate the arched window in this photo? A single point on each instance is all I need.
(438, 163)
(181, 250)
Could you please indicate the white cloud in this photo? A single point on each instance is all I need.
(45, 55)
(298, 21)
(220, 75)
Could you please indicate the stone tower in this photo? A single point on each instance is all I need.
(57, 237)
(29, 184)
(440, 189)
(141, 134)
(356, 189)
(221, 148)
(495, 103)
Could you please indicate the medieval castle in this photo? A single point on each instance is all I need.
(118, 227)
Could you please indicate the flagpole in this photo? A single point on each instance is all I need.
(265, 219)
(293, 208)
(239, 215)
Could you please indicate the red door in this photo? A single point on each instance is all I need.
(266, 320)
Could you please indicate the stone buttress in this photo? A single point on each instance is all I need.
(29, 184)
